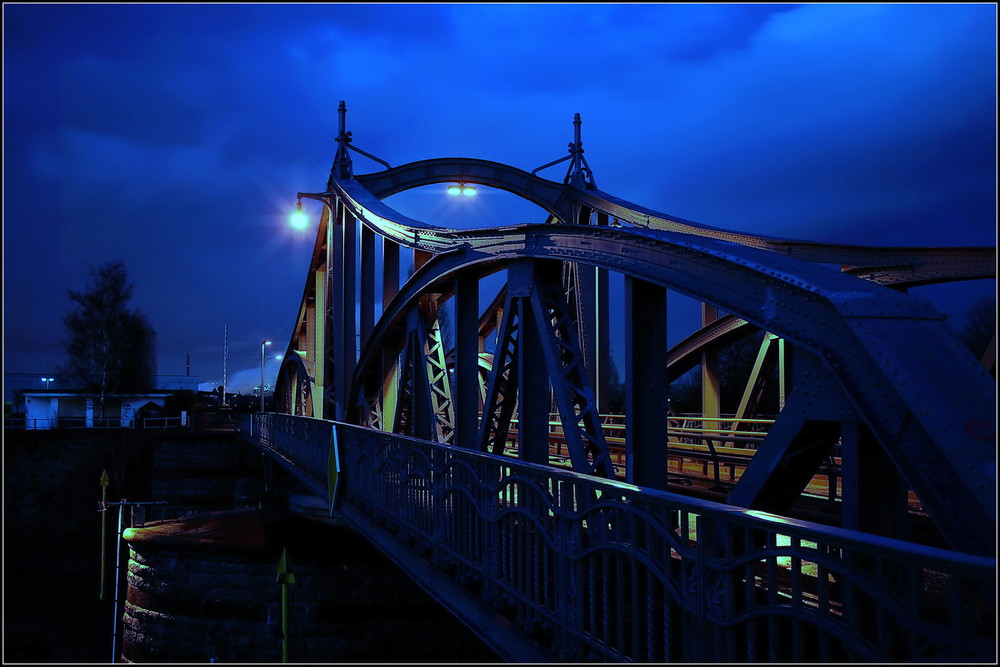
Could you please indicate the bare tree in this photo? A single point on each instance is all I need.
(110, 348)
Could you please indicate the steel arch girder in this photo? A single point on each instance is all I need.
(884, 265)
(295, 385)
(551, 196)
(827, 313)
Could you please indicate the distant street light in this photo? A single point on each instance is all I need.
(47, 381)
(262, 345)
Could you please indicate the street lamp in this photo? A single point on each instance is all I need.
(462, 189)
(47, 381)
(298, 220)
(262, 345)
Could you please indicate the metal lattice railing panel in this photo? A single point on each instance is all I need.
(598, 570)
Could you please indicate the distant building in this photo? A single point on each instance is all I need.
(45, 410)
(56, 401)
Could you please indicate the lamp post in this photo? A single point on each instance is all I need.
(47, 381)
(262, 346)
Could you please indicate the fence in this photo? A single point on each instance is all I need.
(85, 422)
(601, 570)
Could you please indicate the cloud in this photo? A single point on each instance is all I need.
(175, 137)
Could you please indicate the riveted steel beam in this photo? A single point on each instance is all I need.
(498, 405)
(800, 439)
(895, 359)
(820, 310)
(646, 385)
(890, 265)
(467, 384)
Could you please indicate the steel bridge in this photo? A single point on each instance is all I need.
(473, 441)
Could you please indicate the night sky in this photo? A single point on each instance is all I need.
(175, 137)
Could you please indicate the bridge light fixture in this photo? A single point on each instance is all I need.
(298, 220)
(462, 189)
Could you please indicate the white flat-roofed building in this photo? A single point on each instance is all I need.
(73, 410)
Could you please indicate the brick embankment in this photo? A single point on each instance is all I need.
(205, 587)
(202, 585)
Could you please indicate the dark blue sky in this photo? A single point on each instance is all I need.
(174, 137)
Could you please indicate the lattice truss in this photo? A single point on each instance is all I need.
(874, 383)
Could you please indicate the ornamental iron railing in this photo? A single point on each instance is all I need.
(591, 569)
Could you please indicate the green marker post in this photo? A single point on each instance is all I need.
(285, 577)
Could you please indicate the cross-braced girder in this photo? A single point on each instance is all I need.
(889, 357)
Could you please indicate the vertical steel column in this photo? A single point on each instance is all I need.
(534, 397)
(587, 326)
(367, 296)
(390, 270)
(602, 383)
(327, 399)
(782, 375)
(390, 353)
(602, 332)
(390, 387)
(646, 386)
(336, 269)
(349, 356)
(874, 496)
(319, 344)
(466, 389)
(709, 369)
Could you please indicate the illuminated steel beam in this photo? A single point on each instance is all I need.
(925, 401)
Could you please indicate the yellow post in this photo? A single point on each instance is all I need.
(710, 403)
(104, 528)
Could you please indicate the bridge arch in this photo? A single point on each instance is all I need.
(293, 387)
(881, 383)
(848, 327)
(552, 197)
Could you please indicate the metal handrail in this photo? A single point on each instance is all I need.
(596, 569)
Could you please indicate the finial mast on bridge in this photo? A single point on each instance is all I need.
(342, 166)
(579, 173)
